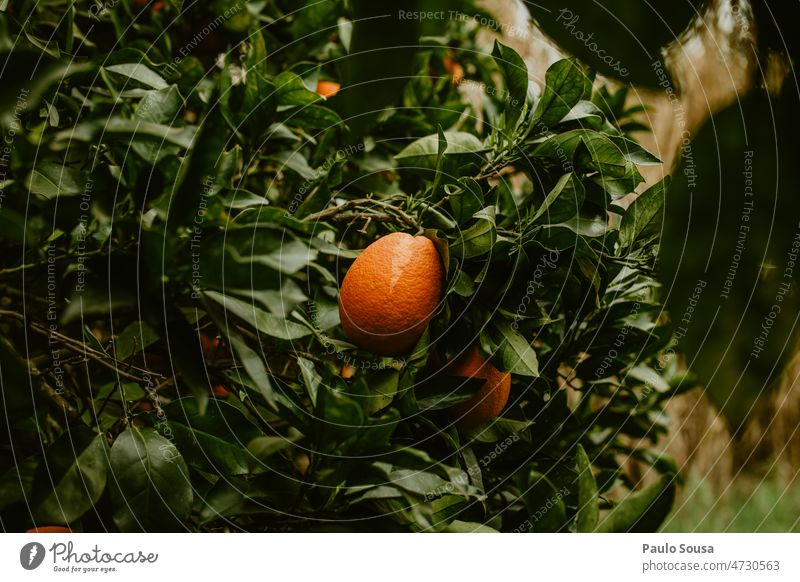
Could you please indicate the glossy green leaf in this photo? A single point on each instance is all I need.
(71, 477)
(259, 319)
(515, 74)
(566, 84)
(215, 441)
(53, 180)
(152, 491)
(545, 504)
(421, 156)
(140, 73)
(133, 339)
(516, 352)
(563, 201)
(642, 511)
(588, 508)
(643, 214)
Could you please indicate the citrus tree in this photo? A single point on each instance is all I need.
(189, 342)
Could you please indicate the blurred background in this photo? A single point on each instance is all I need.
(741, 474)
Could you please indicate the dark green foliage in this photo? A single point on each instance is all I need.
(189, 219)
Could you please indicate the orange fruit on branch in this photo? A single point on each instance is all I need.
(391, 292)
(489, 401)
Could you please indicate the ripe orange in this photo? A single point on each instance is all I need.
(220, 391)
(213, 349)
(156, 7)
(454, 68)
(490, 400)
(143, 406)
(302, 462)
(328, 88)
(391, 292)
(50, 529)
(348, 372)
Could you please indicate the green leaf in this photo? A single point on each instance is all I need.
(277, 250)
(262, 448)
(254, 366)
(563, 201)
(311, 378)
(295, 161)
(442, 391)
(293, 91)
(128, 130)
(133, 339)
(421, 156)
(138, 72)
(644, 212)
(71, 477)
(515, 73)
(466, 198)
(215, 441)
(261, 494)
(186, 352)
(604, 155)
(516, 352)
(642, 511)
(588, 508)
(476, 240)
(151, 490)
(582, 110)
(158, 106)
(383, 386)
(566, 84)
(545, 504)
(52, 180)
(27, 76)
(634, 152)
(315, 117)
(259, 103)
(259, 319)
(458, 526)
(257, 54)
(341, 418)
(198, 169)
(251, 360)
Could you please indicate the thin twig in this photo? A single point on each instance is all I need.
(81, 348)
(359, 208)
(42, 262)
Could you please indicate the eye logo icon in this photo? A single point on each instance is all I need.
(31, 555)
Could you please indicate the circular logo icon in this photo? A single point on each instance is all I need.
(31, 555)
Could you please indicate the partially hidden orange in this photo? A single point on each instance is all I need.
(328, 89)
(489, 401)
(455, 70)
(391, 292)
